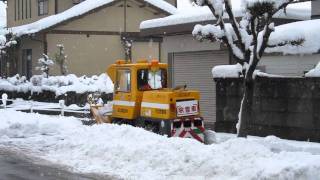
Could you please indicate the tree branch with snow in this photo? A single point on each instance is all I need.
(44, 65)
(247, 39)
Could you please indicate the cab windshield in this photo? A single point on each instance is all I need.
(149, 80)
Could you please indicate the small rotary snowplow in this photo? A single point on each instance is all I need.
(141, 98)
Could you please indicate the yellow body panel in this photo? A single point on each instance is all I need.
(155, 104)
(128, 112)
(160, 102)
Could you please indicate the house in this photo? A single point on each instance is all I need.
(90, 30)
(191, 61)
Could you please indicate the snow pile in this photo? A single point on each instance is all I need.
(58, 84)
(78, 10)
(301, 11)
(133, 153)
(227, 71)
(306, 31)
(20, 104)
(314, 72)
(235, 71)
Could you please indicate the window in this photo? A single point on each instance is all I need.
(26, 64)
(43, 7)
(123, 83)
(148, 80)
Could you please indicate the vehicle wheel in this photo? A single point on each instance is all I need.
(152, 127)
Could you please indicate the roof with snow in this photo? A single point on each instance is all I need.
(188, 17)
(80, 10)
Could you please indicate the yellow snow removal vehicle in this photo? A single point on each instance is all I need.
(141, 98)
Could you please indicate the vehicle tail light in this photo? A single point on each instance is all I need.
(173, 107)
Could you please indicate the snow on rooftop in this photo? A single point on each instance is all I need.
(76, 11)
(314, 72)
(308, 31)
(127, 152)
(191, 14)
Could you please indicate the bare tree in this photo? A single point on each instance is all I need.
(246, 38)
(127, 46)
(61, 59)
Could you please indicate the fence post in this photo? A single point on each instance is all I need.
(62, 106)
(31, 107)
(4, 100)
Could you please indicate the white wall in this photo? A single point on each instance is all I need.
(289, 65)
(184, 43)
(282, 65)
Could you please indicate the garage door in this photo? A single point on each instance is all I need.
(194, 69)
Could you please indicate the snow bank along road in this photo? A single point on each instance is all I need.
(132, 153)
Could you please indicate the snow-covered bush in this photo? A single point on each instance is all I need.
(44, 65)
(17, 79)
(58, 84)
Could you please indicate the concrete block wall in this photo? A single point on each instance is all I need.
(285, 107)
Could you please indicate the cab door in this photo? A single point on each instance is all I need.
(123, 102)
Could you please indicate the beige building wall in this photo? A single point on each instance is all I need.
(136, 14)
(112, 19)
(64, 5)
(86, 55)
(145, 51)
(107, 19)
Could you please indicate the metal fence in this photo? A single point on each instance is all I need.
(32, 108)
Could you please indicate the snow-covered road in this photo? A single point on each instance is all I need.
(133, 153)
(17, 166)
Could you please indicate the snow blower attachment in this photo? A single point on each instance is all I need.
(141, 98)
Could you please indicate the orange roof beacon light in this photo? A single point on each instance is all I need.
(154, 65)
(119, 62)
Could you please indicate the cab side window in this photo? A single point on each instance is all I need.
(123, 83)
